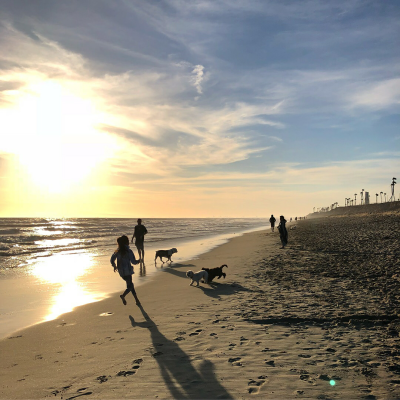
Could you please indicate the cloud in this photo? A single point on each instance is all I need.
(378, 95)
(198, 72)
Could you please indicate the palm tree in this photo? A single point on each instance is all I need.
(381, 196)
(385, 197)
(355, 198)
(376, 198)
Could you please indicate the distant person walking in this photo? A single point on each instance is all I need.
(272, 222)
(138, 234)
(283, 233)
(125, 258)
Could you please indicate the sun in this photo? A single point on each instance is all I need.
(52, 131)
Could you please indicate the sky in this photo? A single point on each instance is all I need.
(196, 108)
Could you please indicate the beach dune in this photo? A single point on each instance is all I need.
(309, 321)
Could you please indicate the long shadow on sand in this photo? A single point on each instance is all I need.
(180, 376)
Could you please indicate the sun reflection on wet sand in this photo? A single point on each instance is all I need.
(64, 271)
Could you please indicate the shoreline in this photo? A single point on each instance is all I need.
(308, 321)
(47, 301)
(59, 344)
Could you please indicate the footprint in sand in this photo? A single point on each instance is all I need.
(215, 335)
(135, 367)
(231, 346)
(235, 362)
(255, 385)
(102, 378)
(178, 339)
(196, 332)
(126, 373)
(81, 393)
(157, 354)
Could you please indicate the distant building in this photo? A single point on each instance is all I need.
(366, 197)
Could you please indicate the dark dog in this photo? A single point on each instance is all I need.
(215, 272)
(165, 253)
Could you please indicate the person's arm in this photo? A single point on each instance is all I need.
(132, 258)
(134, 233)
(144, 230)
(113, 257)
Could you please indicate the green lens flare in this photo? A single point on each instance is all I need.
(332, 382)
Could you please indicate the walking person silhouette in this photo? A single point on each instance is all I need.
(283, 233)
(272, 222)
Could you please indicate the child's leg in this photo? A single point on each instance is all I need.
(131, 288)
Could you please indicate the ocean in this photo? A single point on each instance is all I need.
(49, 266)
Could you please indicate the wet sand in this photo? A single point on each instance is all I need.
(319, 319)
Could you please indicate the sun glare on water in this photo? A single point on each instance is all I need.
(52, 131)
(65, 273)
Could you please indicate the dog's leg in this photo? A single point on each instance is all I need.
(191, 283)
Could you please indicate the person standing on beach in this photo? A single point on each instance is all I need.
(283, 233)
(125, 258)
(272, 222)
(138, 234)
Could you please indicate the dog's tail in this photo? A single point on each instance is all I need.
(222, 266)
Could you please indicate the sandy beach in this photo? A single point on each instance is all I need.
(319, 319)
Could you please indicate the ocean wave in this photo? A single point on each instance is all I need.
(9, 231)
(22, 239)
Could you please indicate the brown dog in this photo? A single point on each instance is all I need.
(166, 254)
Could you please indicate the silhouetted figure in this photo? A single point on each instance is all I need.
(272, 222)
(125, 258)
(295, 219)
(283, 233)
(180, 376)
(138, 234)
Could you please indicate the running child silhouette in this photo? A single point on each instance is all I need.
(125, 258)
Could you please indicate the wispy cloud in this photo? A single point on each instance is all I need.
(198, 72)
(202, 94)
(378, 95)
